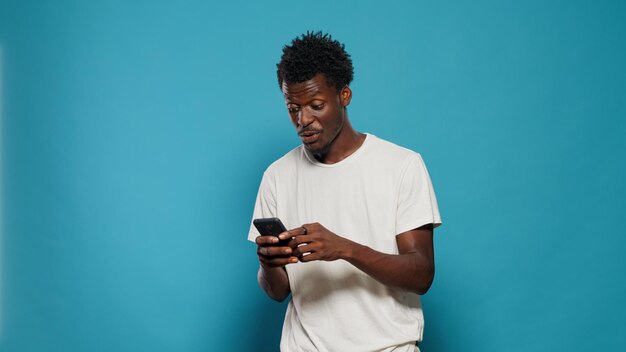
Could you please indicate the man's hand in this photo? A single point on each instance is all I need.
(412, 269)
(272, 275)
(271, 255)
(315, 242)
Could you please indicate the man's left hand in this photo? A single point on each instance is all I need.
(315, 242)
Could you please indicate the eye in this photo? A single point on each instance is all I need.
(293, 109)
(317, 106)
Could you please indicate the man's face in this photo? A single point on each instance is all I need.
(317, 110)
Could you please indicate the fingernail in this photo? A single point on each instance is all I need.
(287, 250)
(293, 260)
(274, 239)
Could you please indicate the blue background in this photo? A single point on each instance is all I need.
(135, 134)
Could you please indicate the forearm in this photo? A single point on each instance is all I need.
(409, 271)
(274, 281)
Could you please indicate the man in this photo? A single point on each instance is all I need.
(361, 213)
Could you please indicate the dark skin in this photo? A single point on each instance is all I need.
(319, 114)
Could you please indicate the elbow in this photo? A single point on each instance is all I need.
(277, 298)
(272, 293)
(422, 290)
(424, 281)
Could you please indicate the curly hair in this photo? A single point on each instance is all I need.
(313, 53)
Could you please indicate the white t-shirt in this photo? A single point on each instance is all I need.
(378, 192)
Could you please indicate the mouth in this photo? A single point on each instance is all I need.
(309, 137)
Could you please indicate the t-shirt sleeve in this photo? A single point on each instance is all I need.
(265, 205)
(417, 205)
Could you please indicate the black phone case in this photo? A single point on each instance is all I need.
(270, 227)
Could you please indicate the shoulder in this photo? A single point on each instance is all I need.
(286, 163)
(390, 147)
(391, 153)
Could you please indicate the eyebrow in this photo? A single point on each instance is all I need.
(309, 95)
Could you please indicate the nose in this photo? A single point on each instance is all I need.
(305, 117)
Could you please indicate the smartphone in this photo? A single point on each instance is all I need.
(271, 227)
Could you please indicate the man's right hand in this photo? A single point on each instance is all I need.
(273, 256)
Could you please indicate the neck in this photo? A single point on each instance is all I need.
(347, 142)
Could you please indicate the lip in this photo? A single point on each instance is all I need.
(309, 137)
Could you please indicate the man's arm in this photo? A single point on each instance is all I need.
(272, 275)
(413, 269)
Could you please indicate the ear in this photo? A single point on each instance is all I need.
(345, 95)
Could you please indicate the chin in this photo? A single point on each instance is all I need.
(317, 150)
(311, 148)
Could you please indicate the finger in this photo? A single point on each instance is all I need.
(298, 240)
(270, 251)
(311, 226)
(273, 251)
(310, 257)
(285, 235)
(291, 233)
(277, 261)
(292, 244)
(266, 240)
(298, 231)
(300, 250)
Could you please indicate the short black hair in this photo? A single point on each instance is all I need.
(313, 53)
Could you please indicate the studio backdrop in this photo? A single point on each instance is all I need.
(135, 134)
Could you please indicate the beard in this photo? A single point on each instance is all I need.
(323, 150)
